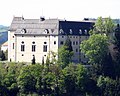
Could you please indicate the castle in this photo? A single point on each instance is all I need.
(40, 37)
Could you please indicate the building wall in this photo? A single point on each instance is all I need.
(11, 48)
(76, 41)
(4, 48)
(27, 55)
(18, 56)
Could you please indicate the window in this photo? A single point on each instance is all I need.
(46, 31)
(61, 42)
(13, 45)
(80, 31)
(73, 42)
(85, 31)
(76, 50)
(61, 31)
(33, 47)
(22, 46)
(45, 42)
(54, 42)
(62, 36)
(76, 42)
(70, 31)
(44, 48)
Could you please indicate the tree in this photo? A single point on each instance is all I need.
(30, 79)
(103, 26)
(115, 50)
(33, 60)
(69, 77)
(2, 55)
(65, 53)
(99, 26)
(108, 86)
(95, 48)
(68, 44)
(64, 56)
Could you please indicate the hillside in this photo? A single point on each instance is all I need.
(3, 34)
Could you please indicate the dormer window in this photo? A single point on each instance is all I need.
(23, 31)
(85, 31)
(71, 31)
(46, 31)
(52, 30)
(61, 31)
(80, 31)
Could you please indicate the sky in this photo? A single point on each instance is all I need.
(61, 9)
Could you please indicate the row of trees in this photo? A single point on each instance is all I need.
(37, 80)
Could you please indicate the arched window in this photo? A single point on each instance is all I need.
(22, 46)
(33, 47)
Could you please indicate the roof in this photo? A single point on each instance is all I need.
(34, 26)
(75, 28)
(52, 26)
(5, 44)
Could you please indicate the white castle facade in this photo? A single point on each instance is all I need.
(40, 37)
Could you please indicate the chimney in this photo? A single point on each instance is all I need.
(42, 18)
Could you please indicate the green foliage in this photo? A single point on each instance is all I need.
(2, 56)
(69, 77)
(104, 26)
(95, 48)
(29, 78)
(64, 56)
(108, 86)
(33, 60)
(68, 44)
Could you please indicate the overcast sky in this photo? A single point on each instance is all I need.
(62, 9)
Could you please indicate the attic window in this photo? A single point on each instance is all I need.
(23, 31)
(46, 31)
(70, 31)
(52, 30)
(61, 31)
(85, 31)
(80, 31)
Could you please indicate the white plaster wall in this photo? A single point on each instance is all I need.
(11, 51)
(39, 42)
